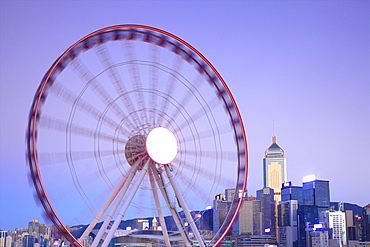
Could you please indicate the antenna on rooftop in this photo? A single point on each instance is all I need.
(273, 132)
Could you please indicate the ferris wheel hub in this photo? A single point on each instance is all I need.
(161, 145)
(135, 149)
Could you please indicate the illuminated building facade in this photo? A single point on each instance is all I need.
(288, 223)
(250, 218)
(291, 192)
(317, 193)
(337, 221)
(274, 168)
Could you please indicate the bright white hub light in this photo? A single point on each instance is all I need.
(161, 145)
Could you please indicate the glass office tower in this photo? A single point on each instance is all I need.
(274, 168)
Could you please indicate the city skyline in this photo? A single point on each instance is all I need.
(292, 63)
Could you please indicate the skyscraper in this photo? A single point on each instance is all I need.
(34, 227)
(291, 192)
(250, 218)
(336, 220)
(266, 196)
(274, 168)
(220, 208)
(316, 192)
(288, 223)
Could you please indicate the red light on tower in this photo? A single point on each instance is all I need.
(198, 216)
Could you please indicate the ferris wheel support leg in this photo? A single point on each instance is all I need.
(127, 181)
(159, 208)
(184, 207)
(172, 208)
(127, 203)
(102, 211)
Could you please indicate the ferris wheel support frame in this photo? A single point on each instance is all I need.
(126, 204)
(184, 207)
(127, 181)
(159, 208)
(158, 178)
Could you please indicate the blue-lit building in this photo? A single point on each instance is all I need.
(307, 215)
(288, 223)
(268, 223)
(28, 241)
(305, 202)
(362, 227)
(291, 192)
(317, 193)
(274, 168)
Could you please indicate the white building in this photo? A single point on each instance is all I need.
(336, 220)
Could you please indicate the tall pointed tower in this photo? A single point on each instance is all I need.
(155, 224)
(274, 169)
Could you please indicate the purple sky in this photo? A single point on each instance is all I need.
(303, 64)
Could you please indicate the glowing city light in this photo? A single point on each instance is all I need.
(161, 145)
(309, 178)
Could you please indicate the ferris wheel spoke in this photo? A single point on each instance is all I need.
(69, 97)
(159, 207)
(46, 159)
(80, 190)
(184, 206)
(194, 188)
(49, 122)
(171, 85)
(225, 155)
(126, 204)
(186, 97)
(129, 50)
(97, 88)
(209, 175)
(107, 61)
(126, 183)
(153, 80)
(210, 133)
(202, 112)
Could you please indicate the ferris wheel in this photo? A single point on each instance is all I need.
(132, 122)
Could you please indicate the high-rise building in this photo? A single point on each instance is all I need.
(34, 227)
(317, 235)
(291, 192)
(220, 209)
(336, 220)
(288, 223)
(362, 227)
(266, 196)
(28, 241)
(274, 168)
(307, 215)
(250, 218)
(3, 235)
(316, 192)
(8, 241)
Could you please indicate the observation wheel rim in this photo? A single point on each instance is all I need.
(31, 135)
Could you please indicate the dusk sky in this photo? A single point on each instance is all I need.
(304, 65)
